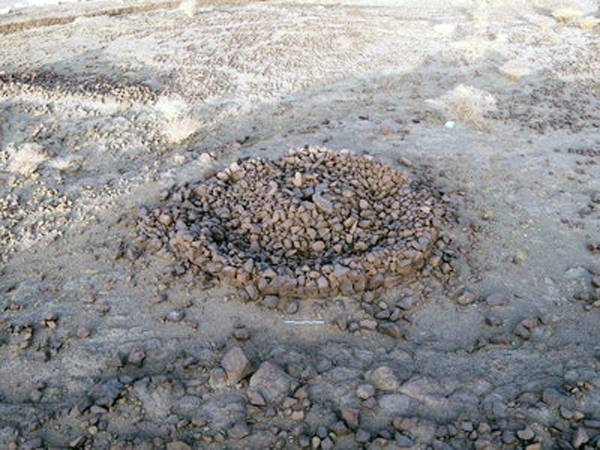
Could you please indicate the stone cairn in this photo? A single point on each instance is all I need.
(313, 223)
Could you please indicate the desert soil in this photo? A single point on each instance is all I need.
(495, 103)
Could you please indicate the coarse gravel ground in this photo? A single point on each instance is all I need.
(104, 106)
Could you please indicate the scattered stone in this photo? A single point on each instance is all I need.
(362, 436)
(51, 321)
(403, 441)
(534, 446)
(236, 365)
(83, 333)
(327, 444)
(466, 298)
(520, 257)
(407, 302)
(255, 398)
(178, 445)
(272, 382)
(136, 357)
(297, 415)
(292, 307)
(522, 331)
(580, 438)
(175, 315)
(370, 403)
(304, 441)
(105, 394)
(497, 299)
(339, 428)
(315, 442)
(467, 426)
(350, 416)
(36, 395)
(390, 329)
(383, 378)
(239, 431)
(482, 443)
(32, 444)
(270, 301)
(509, 437)
(217, 378)
(368, 324)
(526, 434)
(364, 391)
(241, 333)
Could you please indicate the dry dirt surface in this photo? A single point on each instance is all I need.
(108, 110)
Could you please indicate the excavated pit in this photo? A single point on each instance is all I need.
(313, 223)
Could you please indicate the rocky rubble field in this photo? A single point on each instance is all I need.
(304, 224)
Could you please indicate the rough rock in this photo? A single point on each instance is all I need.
(272, 382)
(236, 364)
(383, 378)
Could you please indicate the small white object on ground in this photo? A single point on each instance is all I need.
(305, 322)
(450, 124)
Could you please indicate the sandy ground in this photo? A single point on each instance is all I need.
(496, 102)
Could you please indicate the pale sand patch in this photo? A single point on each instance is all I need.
(26, 158)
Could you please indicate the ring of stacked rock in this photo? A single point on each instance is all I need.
(312, 223)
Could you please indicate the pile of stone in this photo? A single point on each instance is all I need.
(56, 84)
(312, 223)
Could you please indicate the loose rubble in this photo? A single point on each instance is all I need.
(314, 223)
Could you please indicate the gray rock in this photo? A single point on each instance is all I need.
(33, 444)
(580, 438)
(189, 404)
(217, 378)
(390, 329)
(362, 436)
(178, 445)
(326, 444)
(383, 378)
(303, 441)
(175, 315)
(406, 302)
(526, 434)
(403, 441)
(554, 398)
(239, 431)
(270, 301)
(292, 307)
(256, 398)
(236, 364)
(136, 357)
(365, 391)
(107, 393)
(241, 334)
(397, 404)
(509, 437)
(466, 298)
(221, 412)
(272, 382)
(497, 299)
(350, 416)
